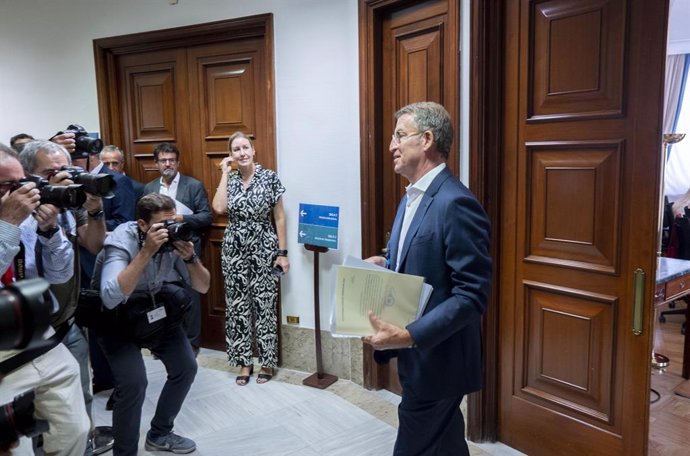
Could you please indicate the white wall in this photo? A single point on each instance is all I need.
(47, 81)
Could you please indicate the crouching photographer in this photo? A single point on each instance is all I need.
(32, 245)
(141, 272)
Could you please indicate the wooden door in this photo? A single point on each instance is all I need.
(191, 86)
(409, 53)
(580, 174)
(231, 80)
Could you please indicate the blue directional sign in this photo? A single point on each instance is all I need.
(318, 225)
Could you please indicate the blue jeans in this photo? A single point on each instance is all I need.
(129, 375)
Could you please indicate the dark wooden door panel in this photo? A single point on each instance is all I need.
(573, 376)
(578, 57)
(154, 108)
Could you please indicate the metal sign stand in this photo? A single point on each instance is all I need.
(320, 379)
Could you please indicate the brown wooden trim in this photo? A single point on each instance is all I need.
(485, 126)
(368, 134)
(107, 49)
(190, 35)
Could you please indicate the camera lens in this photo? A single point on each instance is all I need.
(85, 143)
(24, 316)
(63, 196)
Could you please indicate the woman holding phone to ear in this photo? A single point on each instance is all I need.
(253, 255)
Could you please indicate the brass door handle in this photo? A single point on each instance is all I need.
(638, 301)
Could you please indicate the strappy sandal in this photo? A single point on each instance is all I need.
(242, 380)
(264, 377)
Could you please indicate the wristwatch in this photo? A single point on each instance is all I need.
(281, 253)
(48, 234)
(97, 215)
(193, 259)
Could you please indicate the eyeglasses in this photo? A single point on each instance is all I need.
(165, 161)
(398, 137)
(111, 163)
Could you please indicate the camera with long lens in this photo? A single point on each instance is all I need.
(96, 184)
(85, 145)
(17, 419)
(177, 231)
(24, 319)
(62, 196)
(24, 314)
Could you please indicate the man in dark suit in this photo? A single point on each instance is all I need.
(192, 208)
(441, 233)
(113, 159)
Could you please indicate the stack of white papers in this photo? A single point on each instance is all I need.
(359, 287)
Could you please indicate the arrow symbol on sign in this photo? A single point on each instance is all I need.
(302, 234)
(302, 213)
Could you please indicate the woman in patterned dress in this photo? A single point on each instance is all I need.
(251, 249)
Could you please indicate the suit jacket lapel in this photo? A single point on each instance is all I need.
(395, 233)
(427, 199)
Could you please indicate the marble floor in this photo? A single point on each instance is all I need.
(281, 417)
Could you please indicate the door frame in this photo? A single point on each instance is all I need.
(485, 138)
(485, 126)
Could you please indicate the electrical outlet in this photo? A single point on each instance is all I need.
(293, 320)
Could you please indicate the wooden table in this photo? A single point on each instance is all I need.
(673, 282)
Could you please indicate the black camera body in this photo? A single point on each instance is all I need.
(17, 419)
(95, 184)
(62, 196)
(177, 231)
(85, 145)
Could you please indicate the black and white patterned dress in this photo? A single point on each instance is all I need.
(249, 246)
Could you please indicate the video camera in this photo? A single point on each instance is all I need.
(85, 145)
(62, 196)
(96, 184)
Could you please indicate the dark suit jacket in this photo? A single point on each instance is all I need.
(138, 188)
(118, 209)
(121, 207)
(192, 194)
(448, 244)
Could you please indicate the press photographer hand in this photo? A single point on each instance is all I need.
(66, 140)
(46, 216)
(155, 238)
(16, 206)
(184, 249)
(63, 178)
(93, 203)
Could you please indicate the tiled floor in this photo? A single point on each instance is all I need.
(281, 417)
